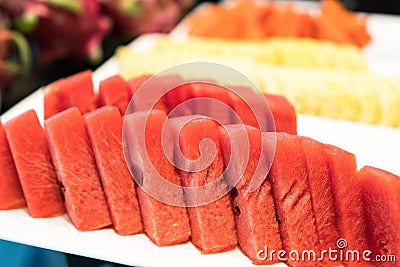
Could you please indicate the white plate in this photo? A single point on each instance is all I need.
(373, 145)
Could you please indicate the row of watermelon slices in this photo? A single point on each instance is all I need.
(312, 196)
(77, 91)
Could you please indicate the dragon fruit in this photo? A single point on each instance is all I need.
(133, 17)
(61, 28)
(14, 53)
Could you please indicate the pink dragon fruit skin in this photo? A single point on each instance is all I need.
(133, 17)
(63, 28)
(12, 45)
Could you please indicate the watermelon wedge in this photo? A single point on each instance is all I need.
(212, 224)
(321, 196)
(212, 101)
(244, 108)
(153, 88)
(73, 91)
(291, 193)
(76, 169)
(35, 170)
(114, 91)
(346, 190)
(11, 195)
(105, 133)
(283, 112)
(255, 216)
(251, 108)
(381, 200)
(165, 224)
(136, 82)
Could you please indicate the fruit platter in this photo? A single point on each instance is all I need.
(349, 151)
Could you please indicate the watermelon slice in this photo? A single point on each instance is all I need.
(255, 216)
(321, 195)
(73, 91)
(247, 104)
(76, 169)
(155, 88)
(381, 201)
(52, 103)
(114, 91)
(11, 195)
(213, 101)
(36, 173)
(136, 82)
(291, 193)
(212, 224)
(346, 190)
(283, 112)
(165, 224)
(105, 132)
(178, 95)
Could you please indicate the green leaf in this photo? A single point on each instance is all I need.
(27, 22)
(74, 6)
(96, 55)
(130, 8)
(10, 67)
(24, 50)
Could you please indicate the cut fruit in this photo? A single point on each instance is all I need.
(212, 100)
(211, 221)
(135, 83)
(76, 169)
(153, 91)
(255, 216)
(165, 224)
(283, 112)
(114, 91)
(105, 133)
(346, 191)
(290, 189)
(251, 108)
(321, 196)
(73, 91)
(11, 195)
(381, 201)
(35, 170)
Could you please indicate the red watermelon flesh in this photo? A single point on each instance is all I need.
(73, 91)
(114, 91)
(105, 133)
(290, 189)
(52, 103)
(11, 195)
(381, 201)
(213, 101)
(283, 112)
(171, 86)
(156, 87)
(255, 216)
(247, 104)
(76, 169)
(346, 190)
(178, 95)
(136, 82)
(212, 225)
(35, 170)
(165, 224)
(242, 109)
(321, 195)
